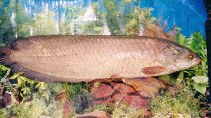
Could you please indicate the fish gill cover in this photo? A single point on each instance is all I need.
(182, 93)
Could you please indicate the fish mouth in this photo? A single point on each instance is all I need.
(194, 62)
(197, 60)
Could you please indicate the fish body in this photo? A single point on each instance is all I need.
(68, 58)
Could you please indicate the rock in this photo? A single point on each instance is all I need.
(134, 101)
(122, 88)
(137, 102)
(150, 81)
(118, 98)
(147, 114)
(133, 92)
(146, 87)
(67, 108)
(104, 101)
(66, 104)
(6, 100)
(61, 97)
(81, 102)
(95, 114)
(102, 91)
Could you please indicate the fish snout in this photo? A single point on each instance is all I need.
(197, 60)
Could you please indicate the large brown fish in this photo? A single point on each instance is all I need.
(85, 58)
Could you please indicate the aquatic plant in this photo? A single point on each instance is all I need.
(4, 113)
(124, 111)
(6, 27)
(195, 77)
(92, 28)
(181, 104)
(102, 107)
(42, 104)
(34, 109)
(22, 21)
(19, 85)
(44, 24)
(120, 111)
(75, 89)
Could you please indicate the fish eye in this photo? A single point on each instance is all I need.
(191, 55)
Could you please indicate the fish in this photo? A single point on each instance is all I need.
(77, 58)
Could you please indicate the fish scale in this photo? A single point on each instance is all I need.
(68, 58)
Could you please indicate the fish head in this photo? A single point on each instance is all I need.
(187, 59)
(177, 57)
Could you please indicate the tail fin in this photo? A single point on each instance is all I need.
(4, 56)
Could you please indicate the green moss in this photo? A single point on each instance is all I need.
(55, 88)
(182, 103)
(75, 88)
(102, 107)
(120, 111)
(36, 108)
(167, 78)
(92, 28)
(4, 113)
(124, 111)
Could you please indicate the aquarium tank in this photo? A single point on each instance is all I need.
(182, 94)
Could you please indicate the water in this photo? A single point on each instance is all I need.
(23, 18)
(189, 15)
(186, 14)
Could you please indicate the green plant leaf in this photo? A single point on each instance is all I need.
(41, 85)
(26, 90)
(180, 78)
(20, 82)
(4, 68)
(24, 79)
(181, 39)
(15, 75)
(200, 79)
(200, 87)
(98, 29)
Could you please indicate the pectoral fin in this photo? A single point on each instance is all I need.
(154, 70)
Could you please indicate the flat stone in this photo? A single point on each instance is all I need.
(104, 101)
(61, 97)
(6, 100)
(67, 108)
(147, 94)
(146, 87)
(102, 91)
(122, 88)
(133, 92)
(118, 98)
(136, 101)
